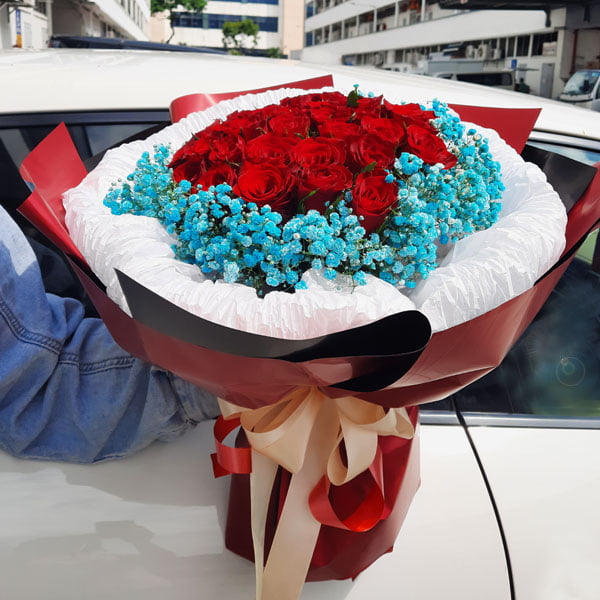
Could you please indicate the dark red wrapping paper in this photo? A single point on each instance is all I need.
(423, 370)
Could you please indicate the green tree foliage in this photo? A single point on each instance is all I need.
(274, 53)
(195, 6)
(240, 34)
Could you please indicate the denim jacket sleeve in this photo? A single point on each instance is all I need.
(67, 390)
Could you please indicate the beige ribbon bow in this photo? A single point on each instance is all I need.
(303, 433)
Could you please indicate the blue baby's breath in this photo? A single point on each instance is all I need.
(239, 242)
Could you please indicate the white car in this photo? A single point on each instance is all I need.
(508, 505)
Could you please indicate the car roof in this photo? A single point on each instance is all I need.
(90, 80)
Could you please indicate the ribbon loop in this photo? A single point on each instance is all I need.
(367, 512)
(227, 460)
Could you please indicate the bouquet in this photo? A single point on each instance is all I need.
(310, 314)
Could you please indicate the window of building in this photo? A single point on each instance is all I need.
(523, 45)
(213, 21)
(544, 44)
(510, 48)
(41, 7)
(350, 28)
(386, 11)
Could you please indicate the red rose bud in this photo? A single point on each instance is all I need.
(373, 198)
(387, 129)
(271, 148)
(312, 153)
(218, 173)
(323, 185)
(370, 148)
(428, 147)
(270, 184)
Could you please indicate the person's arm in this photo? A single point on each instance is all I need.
(67, 390)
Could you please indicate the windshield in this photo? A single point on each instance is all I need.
(582, 82)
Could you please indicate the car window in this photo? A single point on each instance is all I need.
(92, 133)
(581, 82)
(554, 369)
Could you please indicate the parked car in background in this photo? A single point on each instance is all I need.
(583, 89)
(510, 477)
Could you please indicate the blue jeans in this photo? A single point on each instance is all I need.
(67, 390)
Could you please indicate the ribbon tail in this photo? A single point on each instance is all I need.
(262, 478)
(298, 530)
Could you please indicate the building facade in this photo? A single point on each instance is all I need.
(280, 24)
(542, 47)
(30, 23)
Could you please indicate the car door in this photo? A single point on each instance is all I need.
(535, 425)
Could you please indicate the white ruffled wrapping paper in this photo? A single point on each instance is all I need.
(478, 273)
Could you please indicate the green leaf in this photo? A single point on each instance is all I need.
(369, 167)
(352, 99)
(301, 206)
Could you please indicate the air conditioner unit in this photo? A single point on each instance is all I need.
(483, 52)
(496, 54)
(470, 51)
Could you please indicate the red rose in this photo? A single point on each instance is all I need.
(368, 107)
(270, 184)
(370, 148)
(323, 185)
(218, 173)
(387, 129)
(313, 153)
(289, 123)
(321, 107)
(271, 148)
(373, 198)
(247, 124)
(326, 112)
(189, 169)
(428, 147)
(340, 129)
(307, 101)
(410, 114)
(196, 149)
(225, 146)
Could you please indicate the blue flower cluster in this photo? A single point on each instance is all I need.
(437, 206)
(237, 241)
